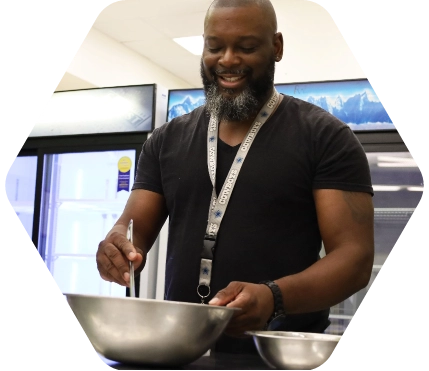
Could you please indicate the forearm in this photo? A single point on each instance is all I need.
(148, 212)
(327, 282)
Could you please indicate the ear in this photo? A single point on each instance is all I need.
(278, 46)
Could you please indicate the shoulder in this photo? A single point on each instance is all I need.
(181, 125)
(313, 120)
(308, 112)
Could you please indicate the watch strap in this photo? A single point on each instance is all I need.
(279, 311)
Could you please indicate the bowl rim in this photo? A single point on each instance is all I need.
(147, 300)
(284, 335)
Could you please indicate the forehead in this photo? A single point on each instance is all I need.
(237, 21)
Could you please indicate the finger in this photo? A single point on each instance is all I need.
(102, 264)
(108, 272)
(124, 246)
(227, 295)
(138, 259)
(108, 277)
(111, 262)
(239, 301)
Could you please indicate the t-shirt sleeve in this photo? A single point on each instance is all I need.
(342, 162)
(148, 174)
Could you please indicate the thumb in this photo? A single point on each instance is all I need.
(139, 259)
(226, 295)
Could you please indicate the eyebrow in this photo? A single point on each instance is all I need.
(241, 38)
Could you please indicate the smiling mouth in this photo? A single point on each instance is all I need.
(231, 79)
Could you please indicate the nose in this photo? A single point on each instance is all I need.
(229, 58)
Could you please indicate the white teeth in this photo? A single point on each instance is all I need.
(232, 79)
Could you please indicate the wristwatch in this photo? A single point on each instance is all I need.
(279, 315)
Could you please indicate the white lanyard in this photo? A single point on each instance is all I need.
(218, 204)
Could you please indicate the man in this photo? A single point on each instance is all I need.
(287, 176)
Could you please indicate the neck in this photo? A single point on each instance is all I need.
(237, 124)
(233, 132)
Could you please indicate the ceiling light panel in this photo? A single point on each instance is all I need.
(193, 44)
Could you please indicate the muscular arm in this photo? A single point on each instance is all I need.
(148, 211)
(346, 221)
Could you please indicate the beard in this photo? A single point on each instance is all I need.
(242, 106)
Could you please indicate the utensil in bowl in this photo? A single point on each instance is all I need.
(130, 233)
(294, 350)
(149, 331)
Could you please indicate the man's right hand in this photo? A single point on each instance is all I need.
(113, 256)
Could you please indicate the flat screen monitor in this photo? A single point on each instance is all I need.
(99, 110)
(352, 101)
(182, 101)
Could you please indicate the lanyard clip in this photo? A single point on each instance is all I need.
(208, 247)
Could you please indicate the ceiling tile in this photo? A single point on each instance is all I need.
(128, 30)
(131, 9)
(187, 25)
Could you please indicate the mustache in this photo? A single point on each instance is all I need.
(231, 72)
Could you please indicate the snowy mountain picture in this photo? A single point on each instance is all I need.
(352, 101)
(181, 102)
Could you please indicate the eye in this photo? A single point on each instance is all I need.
(212, 47)
(213, 50)
(248, 50)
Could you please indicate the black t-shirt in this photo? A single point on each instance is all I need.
(270, 227)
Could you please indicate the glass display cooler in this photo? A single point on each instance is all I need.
(398, 188)
(74, 174)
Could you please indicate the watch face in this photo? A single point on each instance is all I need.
(276, 323)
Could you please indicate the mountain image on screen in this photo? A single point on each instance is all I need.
(352, 101)
(357, 109)
(186, 106)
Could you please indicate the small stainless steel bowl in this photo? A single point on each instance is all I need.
(294, 350)
(148, 331)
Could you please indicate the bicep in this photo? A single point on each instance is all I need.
(346, 220)
(149, 212)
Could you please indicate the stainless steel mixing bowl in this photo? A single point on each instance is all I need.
(294, 350)
(147, 331)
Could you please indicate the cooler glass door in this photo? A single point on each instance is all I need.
(398, 188)
(83, 195)
(20, 189)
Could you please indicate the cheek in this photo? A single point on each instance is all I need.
(260, 66)
(209, 65)
(208, 59)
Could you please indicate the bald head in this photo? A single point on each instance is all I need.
(265, 7)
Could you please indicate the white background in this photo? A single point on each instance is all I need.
(36, 332)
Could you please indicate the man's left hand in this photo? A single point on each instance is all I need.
(256, 302)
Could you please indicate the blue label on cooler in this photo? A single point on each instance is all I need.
(123, 181)
(124, 168)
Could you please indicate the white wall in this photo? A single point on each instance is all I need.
(102, 62)
(72, 82)
(314, 49)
